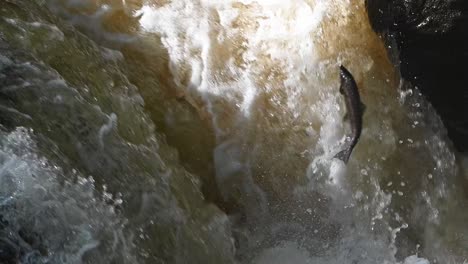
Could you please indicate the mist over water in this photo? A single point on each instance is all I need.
(204, 132)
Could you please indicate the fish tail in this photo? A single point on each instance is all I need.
(344, 155)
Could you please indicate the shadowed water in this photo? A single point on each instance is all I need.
(204, 132)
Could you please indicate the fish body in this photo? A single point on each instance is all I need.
(355, 110)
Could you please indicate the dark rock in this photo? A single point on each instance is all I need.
(432, 39)
(9, 251)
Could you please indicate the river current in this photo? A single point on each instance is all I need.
(203, 131)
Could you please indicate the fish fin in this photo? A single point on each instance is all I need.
(343, 155)
(363, 107)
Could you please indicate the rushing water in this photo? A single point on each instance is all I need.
(203, 131)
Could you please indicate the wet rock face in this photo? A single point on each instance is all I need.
(432, 39)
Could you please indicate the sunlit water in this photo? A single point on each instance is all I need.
(204, 132)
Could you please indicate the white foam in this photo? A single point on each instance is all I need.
(337, 172)
(415, 260)
(107, 128)
(255, 66)
(67, 217)
(196, 46)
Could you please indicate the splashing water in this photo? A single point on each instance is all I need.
(185, 107)
(44, 220)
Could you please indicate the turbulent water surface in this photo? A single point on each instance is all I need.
(203, 131)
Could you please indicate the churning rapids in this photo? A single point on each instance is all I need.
(203, 131)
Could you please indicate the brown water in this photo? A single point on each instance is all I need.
(213, 126)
